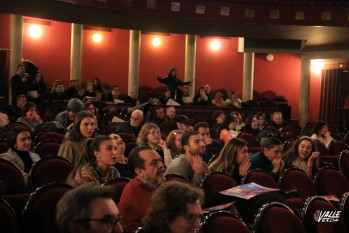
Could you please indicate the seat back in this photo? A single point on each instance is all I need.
(8, 218)
(40, 211)
(250, 139)
(336, 147)
(276, 217)
(329, 181)
(127, 137)
(177, 177)
(320, 147)
(343, 206)
(47, 147)
(49, 169)
(260, 177)
(128, 147)
(223, 222)
(12, 178)
(214, 183)
(343, 163)
(48, 135)
(118, 184)
(288, 144)
(289, 136)
(313, 223)
(296, 179)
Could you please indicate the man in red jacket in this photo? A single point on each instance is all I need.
(136, 197)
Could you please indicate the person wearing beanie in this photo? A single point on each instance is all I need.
(66, 117)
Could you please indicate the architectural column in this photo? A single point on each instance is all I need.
(133, 63)
(76, 51)
(247, 83)
(304, 91)
(16, 46)
(190, 59)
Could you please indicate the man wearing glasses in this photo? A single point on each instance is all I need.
(175, 208)
(89, 209)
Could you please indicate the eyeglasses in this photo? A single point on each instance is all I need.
(154, 132)
(192, 217)
(109, 221)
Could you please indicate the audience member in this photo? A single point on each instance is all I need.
(233, 160)
(155, 115)
(66, 117)
(164, 98)
(88, 208)
(269, 159)
(19, 82)
(320, 132)
(229, 131)
(260, 120)
(15, 111)
(133, 125)
(218, 100)
(171, 114)
(30, 116)
(83, 128)
(96, 165)
(136, 197)
(121, 164)
(90, 107)
(220, 118)
(303, 156)
(72, 91)
(251, 126)
(57, 93)
(277, 121)
(187, 98)
(19, 143)
(172, 83)
(201, 98)
(182, 205)
(239, 122)
(114, 95)
(173, 142)
(233, 100)
(208, 91)
(4, 120)
(212, 146)
(89, 92)
(97, 86)
(190, 164)
(150, 135)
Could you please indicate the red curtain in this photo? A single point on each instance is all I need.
(334, 90)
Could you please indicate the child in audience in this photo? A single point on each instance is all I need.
(229, 131)
(173, 142)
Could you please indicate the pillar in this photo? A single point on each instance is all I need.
(247, 83)
(133, 63)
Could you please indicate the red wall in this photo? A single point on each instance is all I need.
(109, 61)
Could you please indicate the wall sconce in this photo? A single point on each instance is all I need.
(97, 37)
(316, 66)
(35, 31)
(156, 41)
(215, 45)
(269, 57)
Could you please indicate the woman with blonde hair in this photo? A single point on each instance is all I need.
(173, 142)
(232, 160)
(150, 135)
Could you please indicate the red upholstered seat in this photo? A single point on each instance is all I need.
(112, 128)
(49, 169)
(177, 178)
(167, 126)
(343, 206)
(12, 177)
(47, 147)
(329, 181)
(336, 147)
(296, 179)
(127, 137)
(288, 144)
(48, 135)
(250, 139)
(276, 217)
(223, 222)
(289, 136)
(8, 218)
(40, 211)
(128, 147)
(260, 177)
(118, 184)
(212, 184)
(313, 205)
(320, 147)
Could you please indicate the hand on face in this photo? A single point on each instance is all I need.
(197, 164)
(278, 165)
(244, 167)
(162, 144)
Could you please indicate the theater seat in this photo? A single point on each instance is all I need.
(118, 184)
(12, 178)
(329, 181)
(8, 218)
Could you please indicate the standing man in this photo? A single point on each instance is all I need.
(136, 197)
(190, 164)
(19, 83)
(181, 202)
(88, 208)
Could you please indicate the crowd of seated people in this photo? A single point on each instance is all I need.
(192, 152)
